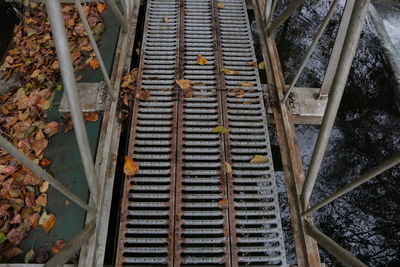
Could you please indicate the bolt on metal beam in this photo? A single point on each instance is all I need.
(117, 13)
(68, 76)
(334, 248)
(95, 48)
(339, 82)
(284, 16)
(311, 49)
(393, 161)
(13, 151)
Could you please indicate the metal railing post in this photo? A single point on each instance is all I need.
(336, 50)
(67, 72)
(393, 161)
(13, 151)
(311, 49)
(334, 248)
(95, 48)
(117, 13)
(284, 16)
(339, 82)
(271, 12)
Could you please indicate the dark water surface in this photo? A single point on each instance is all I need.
(365, 221)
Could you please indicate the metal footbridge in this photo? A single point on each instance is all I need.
(197, 199)
(205, 191)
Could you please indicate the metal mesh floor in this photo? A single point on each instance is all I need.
(185, 207)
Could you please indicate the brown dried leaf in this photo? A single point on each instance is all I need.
(230, 72)
(259, 159)
(228, 168)
(184, 84)
(201, 60)
(91, 116)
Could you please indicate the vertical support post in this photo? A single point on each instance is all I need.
(346, 57)
(271, 12)
(117, 13)
(95, 48)
(294, 4)
(311, 49)
(56, 18)
(337, 48)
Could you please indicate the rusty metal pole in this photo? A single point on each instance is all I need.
(339, 82)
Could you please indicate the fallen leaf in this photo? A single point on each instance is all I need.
(201, 60)
(261, 65)
(252, 63)
(220, 5)
(49, 224)
(220, 129)
(199, 84)
(230, 72)
(44, 187)
(41, 200)
(33, 220)
(259, 159)
(16, 235)
(184, 84)
(42, 256)
(29, 256)
(91, 116)
(100, 7)
(228, 168)
(11, 253)
(142, 94)
(40, 143)
(94, 63)
(45, 162)
(223, 202)
(130, 167)
(56, 248)
(247, 84)
(166, 19)
(3, 237)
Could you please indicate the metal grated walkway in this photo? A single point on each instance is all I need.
(184, 207)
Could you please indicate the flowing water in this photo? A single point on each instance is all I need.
(366, 132)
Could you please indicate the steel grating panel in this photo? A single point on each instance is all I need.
(202, 235)
(147, 219)
(182, 208)
(256, 232)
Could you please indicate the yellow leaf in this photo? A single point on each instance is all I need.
(130, 167)
(228, 168)
(230, 72)
(184, 84)
(42, 200)
(247, 84)
(261, 65)
(220, 129)
(166, 19)
(259, 159)
(23, 116)
(101, 7)
(44, 187)
(201, 60)
(29, 256)
(220, 5)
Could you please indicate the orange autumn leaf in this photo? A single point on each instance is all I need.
(223, 202)
(101, 7)
(130, 167)
(94, 63)
(56, 248)
(45, 162)
(49, 224)
(184, 84)
(229, 71)
(91, 116)
(247, 84)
